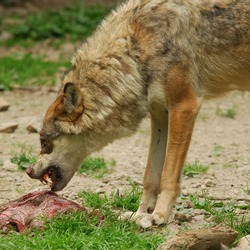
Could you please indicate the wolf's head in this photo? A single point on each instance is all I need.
(61, 147)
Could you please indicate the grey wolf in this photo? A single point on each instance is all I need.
(162, 57)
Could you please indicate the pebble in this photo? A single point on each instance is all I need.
(199, 212)
(196, 185)
(181, 217)
(8, 127)
(209, 183)
(106, 180)
(30, 128)
(4, 105)
(243, 243)
(199, 217)
(100, 191)
(187, 204)
(34, 126)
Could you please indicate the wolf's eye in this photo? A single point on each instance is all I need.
(46, 146)
(43, 143)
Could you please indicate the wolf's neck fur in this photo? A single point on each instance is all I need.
(115, 99)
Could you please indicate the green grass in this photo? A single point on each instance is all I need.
(96, 166)
(195, 168)
(71, 23)
(24, 158)
(26, 70)
(129, 200)
(224, 213)
(77, 231)
(228, 113)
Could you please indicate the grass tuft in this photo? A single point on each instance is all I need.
(224, 213)
(96, 166)
(24, 158)
(129, 200)
(228, 113)
(195, 168)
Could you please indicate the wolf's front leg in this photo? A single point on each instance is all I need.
(181, 125)
(162, 184)
(183, 107)
(156, 156)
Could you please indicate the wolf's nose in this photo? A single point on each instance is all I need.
(29, 170)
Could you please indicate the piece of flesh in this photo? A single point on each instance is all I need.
(28, 210)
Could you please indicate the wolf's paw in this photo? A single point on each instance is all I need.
(148, 220)
(144, 220)
(159, 219)
(141, 219)
(126, 216)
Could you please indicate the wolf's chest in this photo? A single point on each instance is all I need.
(156, 95)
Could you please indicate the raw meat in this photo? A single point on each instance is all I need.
(28, 210)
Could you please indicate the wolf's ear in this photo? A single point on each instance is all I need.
(72, 100)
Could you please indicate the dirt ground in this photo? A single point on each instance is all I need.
(227, 179)
(219, 142)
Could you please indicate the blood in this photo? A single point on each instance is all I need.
(28, 210)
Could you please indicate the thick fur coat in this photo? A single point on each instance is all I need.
(162, 57)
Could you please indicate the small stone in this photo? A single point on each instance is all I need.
(106, 180)
(187, 204)
(34, 126)
(196, 185)
(209, 183)
(202, 238)
(30, 128)
(200, 212)
(199, 217)
(3, 105)
(182, 217)
(8, 127)
(100, 191)
(244, 243)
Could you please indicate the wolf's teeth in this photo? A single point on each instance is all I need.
(44, 182)
(48, 180)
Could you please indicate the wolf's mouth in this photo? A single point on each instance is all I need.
(51, 177)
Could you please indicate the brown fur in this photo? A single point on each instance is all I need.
(158, 56)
